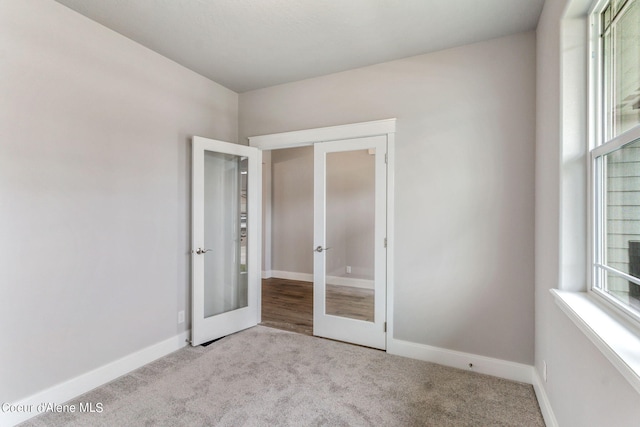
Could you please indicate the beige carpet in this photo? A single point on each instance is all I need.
(268, 377)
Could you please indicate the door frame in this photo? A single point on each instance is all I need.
(308, 137)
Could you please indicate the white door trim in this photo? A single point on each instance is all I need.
(308, 137)
(301, 138)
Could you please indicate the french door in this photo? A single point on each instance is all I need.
(226, 197)
(350, 206)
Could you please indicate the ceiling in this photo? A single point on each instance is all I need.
(252, 44)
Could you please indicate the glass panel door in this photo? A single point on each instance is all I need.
(225, 257)
(349, 234)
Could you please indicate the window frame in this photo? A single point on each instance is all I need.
(599, 147)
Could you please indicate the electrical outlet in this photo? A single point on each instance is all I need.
(544, 371)
(348, 269)
(181, 316)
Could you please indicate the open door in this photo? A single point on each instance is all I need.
(350, 207)
(226, 198)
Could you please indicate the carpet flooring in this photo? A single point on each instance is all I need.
(268, 377)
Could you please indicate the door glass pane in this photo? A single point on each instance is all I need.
(350, 221)
(225, 233)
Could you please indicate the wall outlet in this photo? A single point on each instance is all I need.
(348, 269)
(544, 371)
(181, 316)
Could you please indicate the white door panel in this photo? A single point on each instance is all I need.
(226, 196)
(349, 234)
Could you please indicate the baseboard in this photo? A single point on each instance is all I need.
(350, 282)
(267, 274)
(457, 359)
(543, 400)
(291, 275)
(81, 384)
(331, 280)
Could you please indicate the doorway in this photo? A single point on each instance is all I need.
(287, 285)
(348, 246)
(288, 288)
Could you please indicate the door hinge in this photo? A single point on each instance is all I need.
(386, 158)
(385, 242)
(385, 327)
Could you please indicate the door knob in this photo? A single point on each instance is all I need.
(201, 251)
(320, 249)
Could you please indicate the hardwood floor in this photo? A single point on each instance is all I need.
(355, 303)
(288, 304)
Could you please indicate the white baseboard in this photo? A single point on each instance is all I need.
(457, 359)
(331, 280)
(484, 365)
(350, 281)
(267, 274)
(291, 275)
(81, 384)
(543, 400)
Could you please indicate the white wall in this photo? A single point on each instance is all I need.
(583, 387)
(464, 183)
(94, 193)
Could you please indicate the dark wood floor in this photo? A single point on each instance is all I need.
(355, 303)
(288, 304)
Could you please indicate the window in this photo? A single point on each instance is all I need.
(616, 154)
